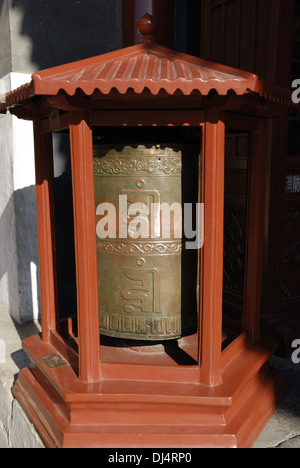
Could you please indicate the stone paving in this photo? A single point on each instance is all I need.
(15, 429)
(283, 430)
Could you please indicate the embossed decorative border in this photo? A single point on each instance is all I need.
(139, 248)
(152, 166)
(114, 324)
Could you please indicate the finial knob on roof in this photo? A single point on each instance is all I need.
(147, 28)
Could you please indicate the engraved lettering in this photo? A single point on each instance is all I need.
(144, 295)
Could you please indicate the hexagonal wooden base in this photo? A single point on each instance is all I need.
(134, 413)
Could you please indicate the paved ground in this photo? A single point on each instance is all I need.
(283, 430)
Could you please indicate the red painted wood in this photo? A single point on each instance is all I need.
(46, 229)
(255, 230)
(164, 12)
(250, 35)
(211, 332)
(124, 413)
(85, 248)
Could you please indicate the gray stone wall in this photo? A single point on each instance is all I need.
(5, 49)
(38, 34)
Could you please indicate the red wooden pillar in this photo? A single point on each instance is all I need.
(46, 229)
(255, 230)
(85, 248)
(212, 288)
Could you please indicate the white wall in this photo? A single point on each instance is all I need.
(18, 230)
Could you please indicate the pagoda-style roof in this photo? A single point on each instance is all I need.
(147, 66)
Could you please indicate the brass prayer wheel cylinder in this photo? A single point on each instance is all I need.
(147, 279)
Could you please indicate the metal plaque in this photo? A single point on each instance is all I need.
(54, 360)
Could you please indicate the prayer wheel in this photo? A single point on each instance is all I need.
(147, 274)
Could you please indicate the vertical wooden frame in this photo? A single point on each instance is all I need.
(255, 230)
(212, 280)
(85, 247)
(46, 229)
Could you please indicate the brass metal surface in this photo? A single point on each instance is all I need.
(147, 286)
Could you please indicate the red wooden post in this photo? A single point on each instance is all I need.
(212, 287)
(85, 248)
(255, 230)
(46, 229)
